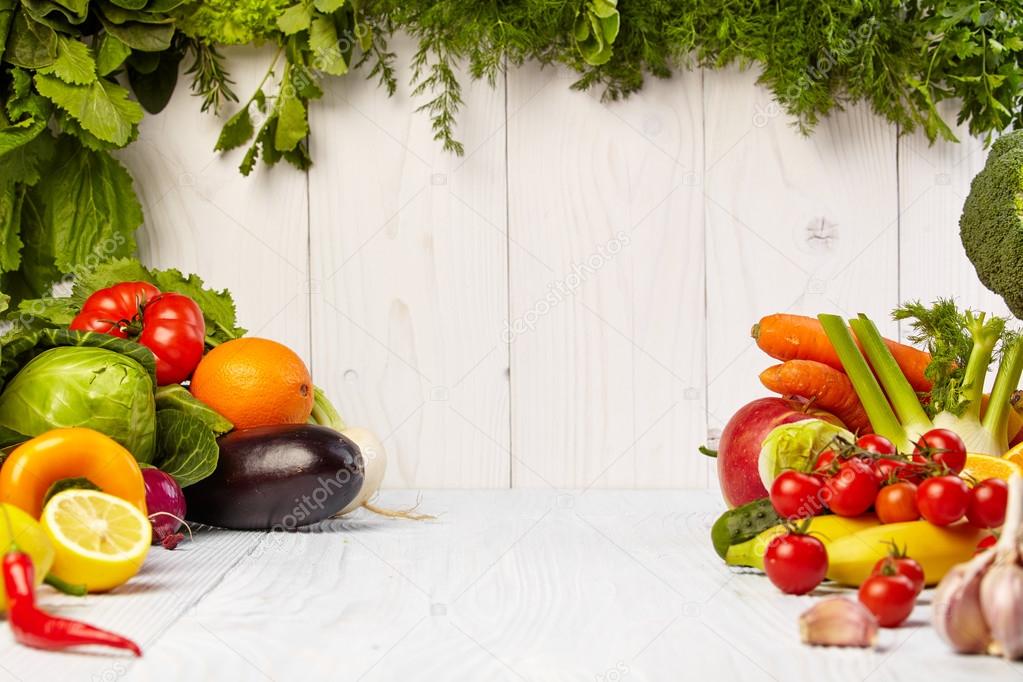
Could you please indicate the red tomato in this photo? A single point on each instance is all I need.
(797, 495)
(943, 499)
(796, 563)
(824, 461)
(877, 444)
(987, 543)
(889, 597)
(171, 325)
(944, 447)
(901, 565)
(852, 489)
(887, 470)
(896, 503)
(988, 500)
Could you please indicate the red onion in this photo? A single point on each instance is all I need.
(165, 502)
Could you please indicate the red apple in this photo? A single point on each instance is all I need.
(741, 440)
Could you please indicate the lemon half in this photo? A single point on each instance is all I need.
(100, 540)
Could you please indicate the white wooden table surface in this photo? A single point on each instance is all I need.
(504, 585)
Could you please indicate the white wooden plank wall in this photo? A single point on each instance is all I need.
(568, 305)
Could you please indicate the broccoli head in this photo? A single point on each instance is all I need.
(991, 225)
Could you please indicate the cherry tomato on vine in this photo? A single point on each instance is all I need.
(901, 565)
(943, 500)
(824, 461)
(877, 444)
(896, 503)
(797, 495)
(988, 500)
(889, 597)
(945, 447)
(852, 489)
(171, 325)
(888, 470)
(796, 563)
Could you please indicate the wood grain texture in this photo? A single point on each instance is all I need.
(518, 585)
(794, 224)
(606, 284)
(168, 586)
(249, 235)
(933, 183)
(410, 286)
(569, 304)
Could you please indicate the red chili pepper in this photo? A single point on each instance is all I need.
(36, 628)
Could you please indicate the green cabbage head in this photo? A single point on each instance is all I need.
(83, 386)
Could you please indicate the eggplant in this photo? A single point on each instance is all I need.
(277, 478)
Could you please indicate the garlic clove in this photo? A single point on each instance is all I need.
(1001, 597)
(957, 614)
(838, 621)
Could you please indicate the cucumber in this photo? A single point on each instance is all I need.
(742, 524)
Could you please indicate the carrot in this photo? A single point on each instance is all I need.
(827, 387)
(796, 337)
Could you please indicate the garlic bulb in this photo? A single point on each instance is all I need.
(957, 614)
(978, 606)
(1001, 597)
(1001, 589)
(838, 622)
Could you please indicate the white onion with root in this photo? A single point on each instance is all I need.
(374, 459)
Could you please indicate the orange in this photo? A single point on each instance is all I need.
(982, 467)
(255, 382)
(1015, 454)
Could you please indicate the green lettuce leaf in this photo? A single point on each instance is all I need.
(177, 397)
(796, 446)
(185, 447)
(217, 306)
(86, 208)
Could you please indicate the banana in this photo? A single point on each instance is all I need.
(828, 528)
(937, 549)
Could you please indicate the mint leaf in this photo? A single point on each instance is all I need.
(294, 19)
(74, 63)
(110, 54)
(217, 306)
(323, 43)
(89, 208)
(102, 107)
(177, 397)
(5, 300)
(185, 447)
(237, 131)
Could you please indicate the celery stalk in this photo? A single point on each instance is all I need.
(882, 418)
(1006, 380)
(903, 398)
